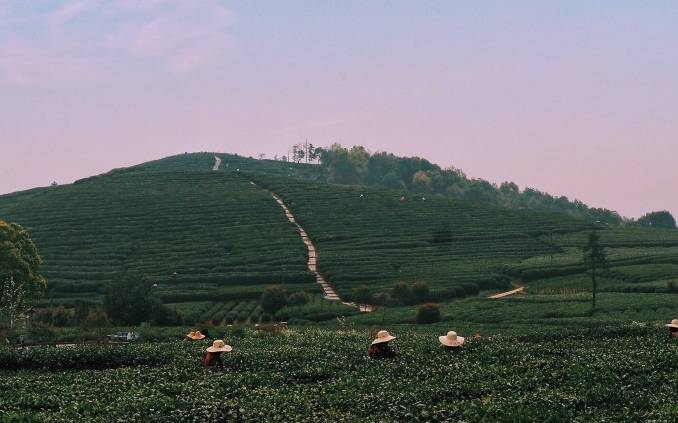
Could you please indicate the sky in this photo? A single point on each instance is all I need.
(575, 98)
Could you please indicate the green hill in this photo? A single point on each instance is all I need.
(377, 237)
(211, 240)
(198, 235)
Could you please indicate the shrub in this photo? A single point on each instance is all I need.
(298, 299)
(273, 299)
(362, 295)
(421, 292)
(470, 288)
(453, 292)
(401, 293)
(96, 317)
(428, 313)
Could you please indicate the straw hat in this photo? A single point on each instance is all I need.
(219, 346)
(383, 336)
(196, 335)
(673, 324)
(451, 339)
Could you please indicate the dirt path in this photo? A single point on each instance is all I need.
(328, 291)
(520, 290)
(217, 163)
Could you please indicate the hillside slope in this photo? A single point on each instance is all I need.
(198, 235)
(378, 236)
(213, 236)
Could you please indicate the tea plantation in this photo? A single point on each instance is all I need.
(212, 240)
(625, 373)
(378, 237)
(200, 236)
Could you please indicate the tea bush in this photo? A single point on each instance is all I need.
(623, 373)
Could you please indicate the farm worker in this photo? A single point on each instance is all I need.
(380, 347)
(213, 354)
(451, 341)
(189, 336)
(206, 333)
(195, 336)
(673, 328)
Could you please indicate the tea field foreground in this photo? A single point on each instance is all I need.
(622, 373)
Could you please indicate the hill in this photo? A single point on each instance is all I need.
(211, 240)
(198, 235)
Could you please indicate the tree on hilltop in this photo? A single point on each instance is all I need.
(658, 219)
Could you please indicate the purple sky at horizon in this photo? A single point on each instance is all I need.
(573, 98)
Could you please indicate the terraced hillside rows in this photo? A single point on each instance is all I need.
(377, 237)
(640, 260)
(198, 235)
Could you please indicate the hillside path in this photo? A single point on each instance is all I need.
(511, 292)
(217, 163)
(328, 291)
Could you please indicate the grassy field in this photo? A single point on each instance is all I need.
(624, 373)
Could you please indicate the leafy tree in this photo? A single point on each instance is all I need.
(273, 299)
(381, 299)
(421, 292)
(131, 300)
(595, 258)
(428, 313)
(658, 219)
(19, 275)
(401, 293)
(362, 295)
(96, 317)
(298, 299)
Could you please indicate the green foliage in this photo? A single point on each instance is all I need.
(19, 274)
(358, 166)
(132, 300)
(372, 237)
(428, 313)
(362, 295)
(421, 292)
(273, 299)
(196, 233)
(659, 219)
(595, 258)
(315, 375)
(401, 292)
(298, 299)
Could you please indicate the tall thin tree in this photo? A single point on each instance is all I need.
(595, 258)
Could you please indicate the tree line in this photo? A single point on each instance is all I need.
(358, 166)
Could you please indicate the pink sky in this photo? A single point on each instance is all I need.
(574, 99)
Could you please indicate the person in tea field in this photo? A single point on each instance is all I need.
(213, 354)
(673, 328)
(380, 347)
(452, 341)
(206, 333)
(195, 336)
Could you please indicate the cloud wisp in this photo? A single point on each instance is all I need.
(75, 38)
